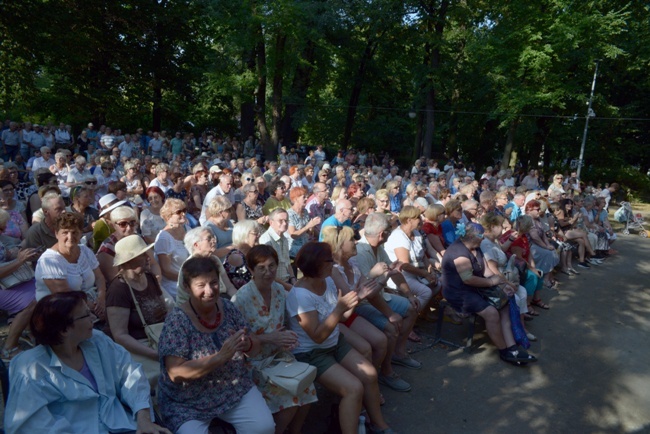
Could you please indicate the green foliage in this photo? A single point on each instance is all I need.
(312, 67)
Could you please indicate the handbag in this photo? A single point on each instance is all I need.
(494, 295)
(151, 330)
(24, 273)
(283, 370)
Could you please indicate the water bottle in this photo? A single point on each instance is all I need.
(362, 425)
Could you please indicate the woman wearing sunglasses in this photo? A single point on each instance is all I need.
(169, 247)
(124, 221)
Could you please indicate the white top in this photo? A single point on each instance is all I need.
(79, 276)
(301, 300)
(166, 244)
(150, 224)
(41, 163)
(399, 239)
(164, 187)
(75, 176)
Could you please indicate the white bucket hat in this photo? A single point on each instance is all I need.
(107, 199)
(129, 248)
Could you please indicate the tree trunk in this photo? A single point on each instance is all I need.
(278, 75)
(299, 88)
(433, 60)
(156, 112)
(260, 98)
(247, 114)
(510, 140)
(543, 128)
(355, 95)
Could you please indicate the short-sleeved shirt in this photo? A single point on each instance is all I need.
(79, 276)
(398, 239)
(166, 244)
(493, 252)
(301, 300)
(298, 222)
(216, 392)
(150, 223)
(332, 221)
(281, 245)
(150, 301)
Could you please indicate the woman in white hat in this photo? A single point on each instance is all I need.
(102, 228)
(134, 283)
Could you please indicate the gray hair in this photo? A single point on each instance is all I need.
(276, 212)
(193, 236)
(46, 201)
(241, 230)
(468, 203)
(44, 149)
(80, 160)
(376, 223)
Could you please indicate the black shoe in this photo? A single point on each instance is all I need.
(516, 356)
(584, 265)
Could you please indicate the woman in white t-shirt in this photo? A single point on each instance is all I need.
(405, 245)
(169, 247)
(315, 308)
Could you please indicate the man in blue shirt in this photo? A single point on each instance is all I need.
(341, 217)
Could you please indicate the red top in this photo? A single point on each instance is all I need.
(523, 243)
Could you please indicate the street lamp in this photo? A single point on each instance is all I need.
(590, 114)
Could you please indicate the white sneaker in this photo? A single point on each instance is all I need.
(593, 261)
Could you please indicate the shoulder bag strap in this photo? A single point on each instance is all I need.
(137, 305)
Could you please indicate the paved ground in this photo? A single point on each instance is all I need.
(593, 374)
(592, 377)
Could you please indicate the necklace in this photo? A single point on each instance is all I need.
(204, 323)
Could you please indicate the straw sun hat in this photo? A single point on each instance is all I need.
(129, 248)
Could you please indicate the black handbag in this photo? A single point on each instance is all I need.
(495, 296)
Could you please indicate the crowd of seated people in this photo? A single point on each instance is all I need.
(329, 262)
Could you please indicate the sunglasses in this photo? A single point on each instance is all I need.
(248, 179)
(181, 211)
(124, 224)
(91, 182)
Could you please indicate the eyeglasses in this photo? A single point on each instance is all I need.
(254, 233)
(8, 190)
(150, 198)
(181, 211)
(88, 315)
(91, 183)
(254, 192)
(124, 224)
(209, 238)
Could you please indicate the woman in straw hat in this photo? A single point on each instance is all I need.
(133, 284)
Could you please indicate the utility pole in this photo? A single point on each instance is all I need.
(590, 114)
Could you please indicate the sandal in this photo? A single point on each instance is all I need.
(532, 311)
(413, 337)
(528, 317)
(539, 303)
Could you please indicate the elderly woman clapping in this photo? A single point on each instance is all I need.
(464, 272)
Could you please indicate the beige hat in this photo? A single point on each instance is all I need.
(326, 166)
(90, 124)
(215, 169)
(129, 248)
(111, 199)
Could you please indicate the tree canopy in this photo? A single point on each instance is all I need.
(489, 80)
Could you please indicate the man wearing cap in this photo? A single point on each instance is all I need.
(91, 133)
(340, 218)
(41, 234)
(276, 238)
(102, 228)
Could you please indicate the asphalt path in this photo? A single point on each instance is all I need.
(592, 375)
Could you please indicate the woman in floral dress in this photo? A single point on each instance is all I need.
(262, 302)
